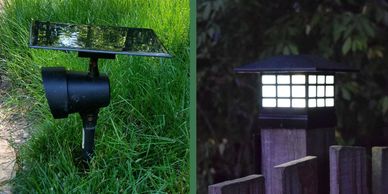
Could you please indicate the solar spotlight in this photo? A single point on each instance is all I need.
(85, 93)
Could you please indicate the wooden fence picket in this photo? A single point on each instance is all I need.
(348, 171)
(283, 145)
(380, 170)
(297, 177)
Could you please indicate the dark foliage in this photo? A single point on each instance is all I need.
(232, 33)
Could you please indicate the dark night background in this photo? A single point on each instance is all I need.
(231, 33)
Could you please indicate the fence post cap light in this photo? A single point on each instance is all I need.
(296, 91)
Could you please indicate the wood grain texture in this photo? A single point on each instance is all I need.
(318, 144)
(284, 145)
(348, 172)
(297, 177)
(252, 184)
(380, 170)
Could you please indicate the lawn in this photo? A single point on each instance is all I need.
(141, 137)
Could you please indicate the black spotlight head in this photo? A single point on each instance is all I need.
(55, 85)
(70, 92)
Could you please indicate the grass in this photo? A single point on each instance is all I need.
(141, 137)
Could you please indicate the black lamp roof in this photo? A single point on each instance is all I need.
(295, 63)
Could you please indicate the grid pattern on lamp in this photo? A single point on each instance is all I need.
(297, 90)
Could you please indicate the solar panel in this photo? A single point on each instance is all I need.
(96, 39)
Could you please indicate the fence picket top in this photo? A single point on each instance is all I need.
(252, 184)
(239, 180)
(379, 148)
(295, 162)
(339, 147)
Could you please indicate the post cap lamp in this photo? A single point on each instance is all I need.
(296, 91)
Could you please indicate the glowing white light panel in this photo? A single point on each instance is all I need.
(312, 79)
(330, 79)
(283, 79)
(298, 103)
(329, 102)
(321, 79)
(312, 103)
(298, 79)
(283, 102)
(268, 79)
(290, 91)
(269, 91)
(312, 91)
(320, 102)
(321, 91)
(269, 102)
(283, 91)
(298, 91)
(329, 91)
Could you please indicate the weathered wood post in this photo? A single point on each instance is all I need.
(296, 111)
(253, 184)
(297, 177)
(380, 170)
(283, 145)
(348, 170)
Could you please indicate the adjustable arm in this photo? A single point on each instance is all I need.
(93, 67)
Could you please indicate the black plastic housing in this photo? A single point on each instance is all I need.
(69, 92)
(305, 118)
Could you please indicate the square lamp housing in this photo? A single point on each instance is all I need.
(296, 91)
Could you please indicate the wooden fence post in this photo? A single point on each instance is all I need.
(297, 177)
(348, 170)
(380, 170)
(283, 145)
(252, 184)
